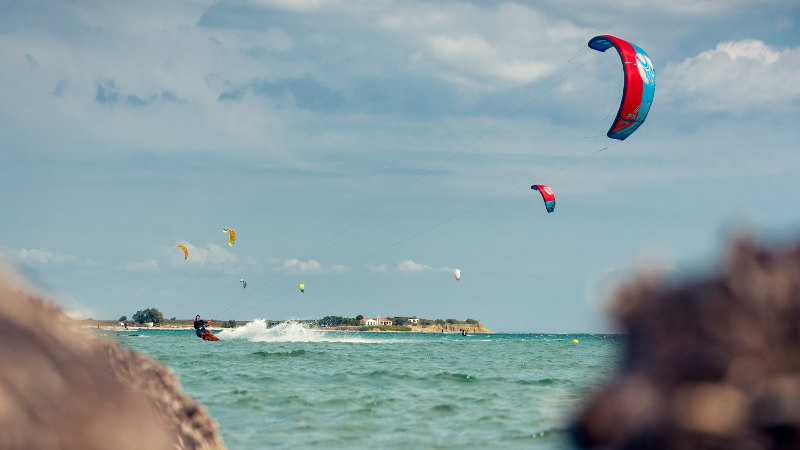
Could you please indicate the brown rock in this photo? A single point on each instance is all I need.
(61, 388)
(710, 363)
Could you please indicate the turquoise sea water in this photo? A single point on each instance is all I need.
(292, 387)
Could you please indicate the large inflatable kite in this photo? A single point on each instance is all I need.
(640, 84)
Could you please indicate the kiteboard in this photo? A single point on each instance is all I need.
(207, 336)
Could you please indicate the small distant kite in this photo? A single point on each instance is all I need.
(233, 235)
(302, 287)
(185, 252)
(244, 283)
(547, 195)
(457, 273)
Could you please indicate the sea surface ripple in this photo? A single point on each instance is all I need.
(294, 387)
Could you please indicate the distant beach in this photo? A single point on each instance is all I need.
(459, 327)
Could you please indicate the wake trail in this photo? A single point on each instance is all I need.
(290, 331)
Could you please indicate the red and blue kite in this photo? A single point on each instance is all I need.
(547, 195)
(640, 84)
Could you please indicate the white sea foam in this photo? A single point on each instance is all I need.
(289, 331)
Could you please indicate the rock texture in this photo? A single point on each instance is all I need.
(709, 364)
(61, 388)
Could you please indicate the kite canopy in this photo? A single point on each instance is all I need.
(244, 283)
(640, 84)
(185, 252)
(457, 273)
(547, 195)
(233, 235)
(302, 287)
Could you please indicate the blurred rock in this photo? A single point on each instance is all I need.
(708, 364)
(61, 388)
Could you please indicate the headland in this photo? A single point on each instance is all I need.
(329, 323)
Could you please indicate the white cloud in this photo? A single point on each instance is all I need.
(142, 266)
(486, 48)
(74, 314)
(44, 256)
(736, 77)
(784, 23)
(74, 308)
(211, 255)
(411, 266)
(310, 266)
(676, 8)
(300, 5)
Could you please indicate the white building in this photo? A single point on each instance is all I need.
(376, 321)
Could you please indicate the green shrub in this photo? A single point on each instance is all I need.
(333, 321)
(148, 315)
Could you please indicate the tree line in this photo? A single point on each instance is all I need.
(155, 316)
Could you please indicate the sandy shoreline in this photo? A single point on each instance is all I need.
(435, 328)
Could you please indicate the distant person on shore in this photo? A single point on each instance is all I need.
(200, 329)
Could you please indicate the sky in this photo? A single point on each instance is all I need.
(369, 148)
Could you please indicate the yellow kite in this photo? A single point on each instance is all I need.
(185, 252)
(233, 235)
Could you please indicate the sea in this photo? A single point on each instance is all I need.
(291, 386)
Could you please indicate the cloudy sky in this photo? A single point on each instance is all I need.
(368, 148)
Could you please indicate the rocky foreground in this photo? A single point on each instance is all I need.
(712, 363)
(62, 388)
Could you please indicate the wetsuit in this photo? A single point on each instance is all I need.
(200, 327)
(200, 330)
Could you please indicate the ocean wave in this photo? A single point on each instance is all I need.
(436, 377)
(289, 331)
(290, 353)
(545, 382)
(444, 408)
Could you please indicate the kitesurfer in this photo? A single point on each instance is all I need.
(200, 329)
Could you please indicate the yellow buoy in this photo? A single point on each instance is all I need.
(575, 341)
